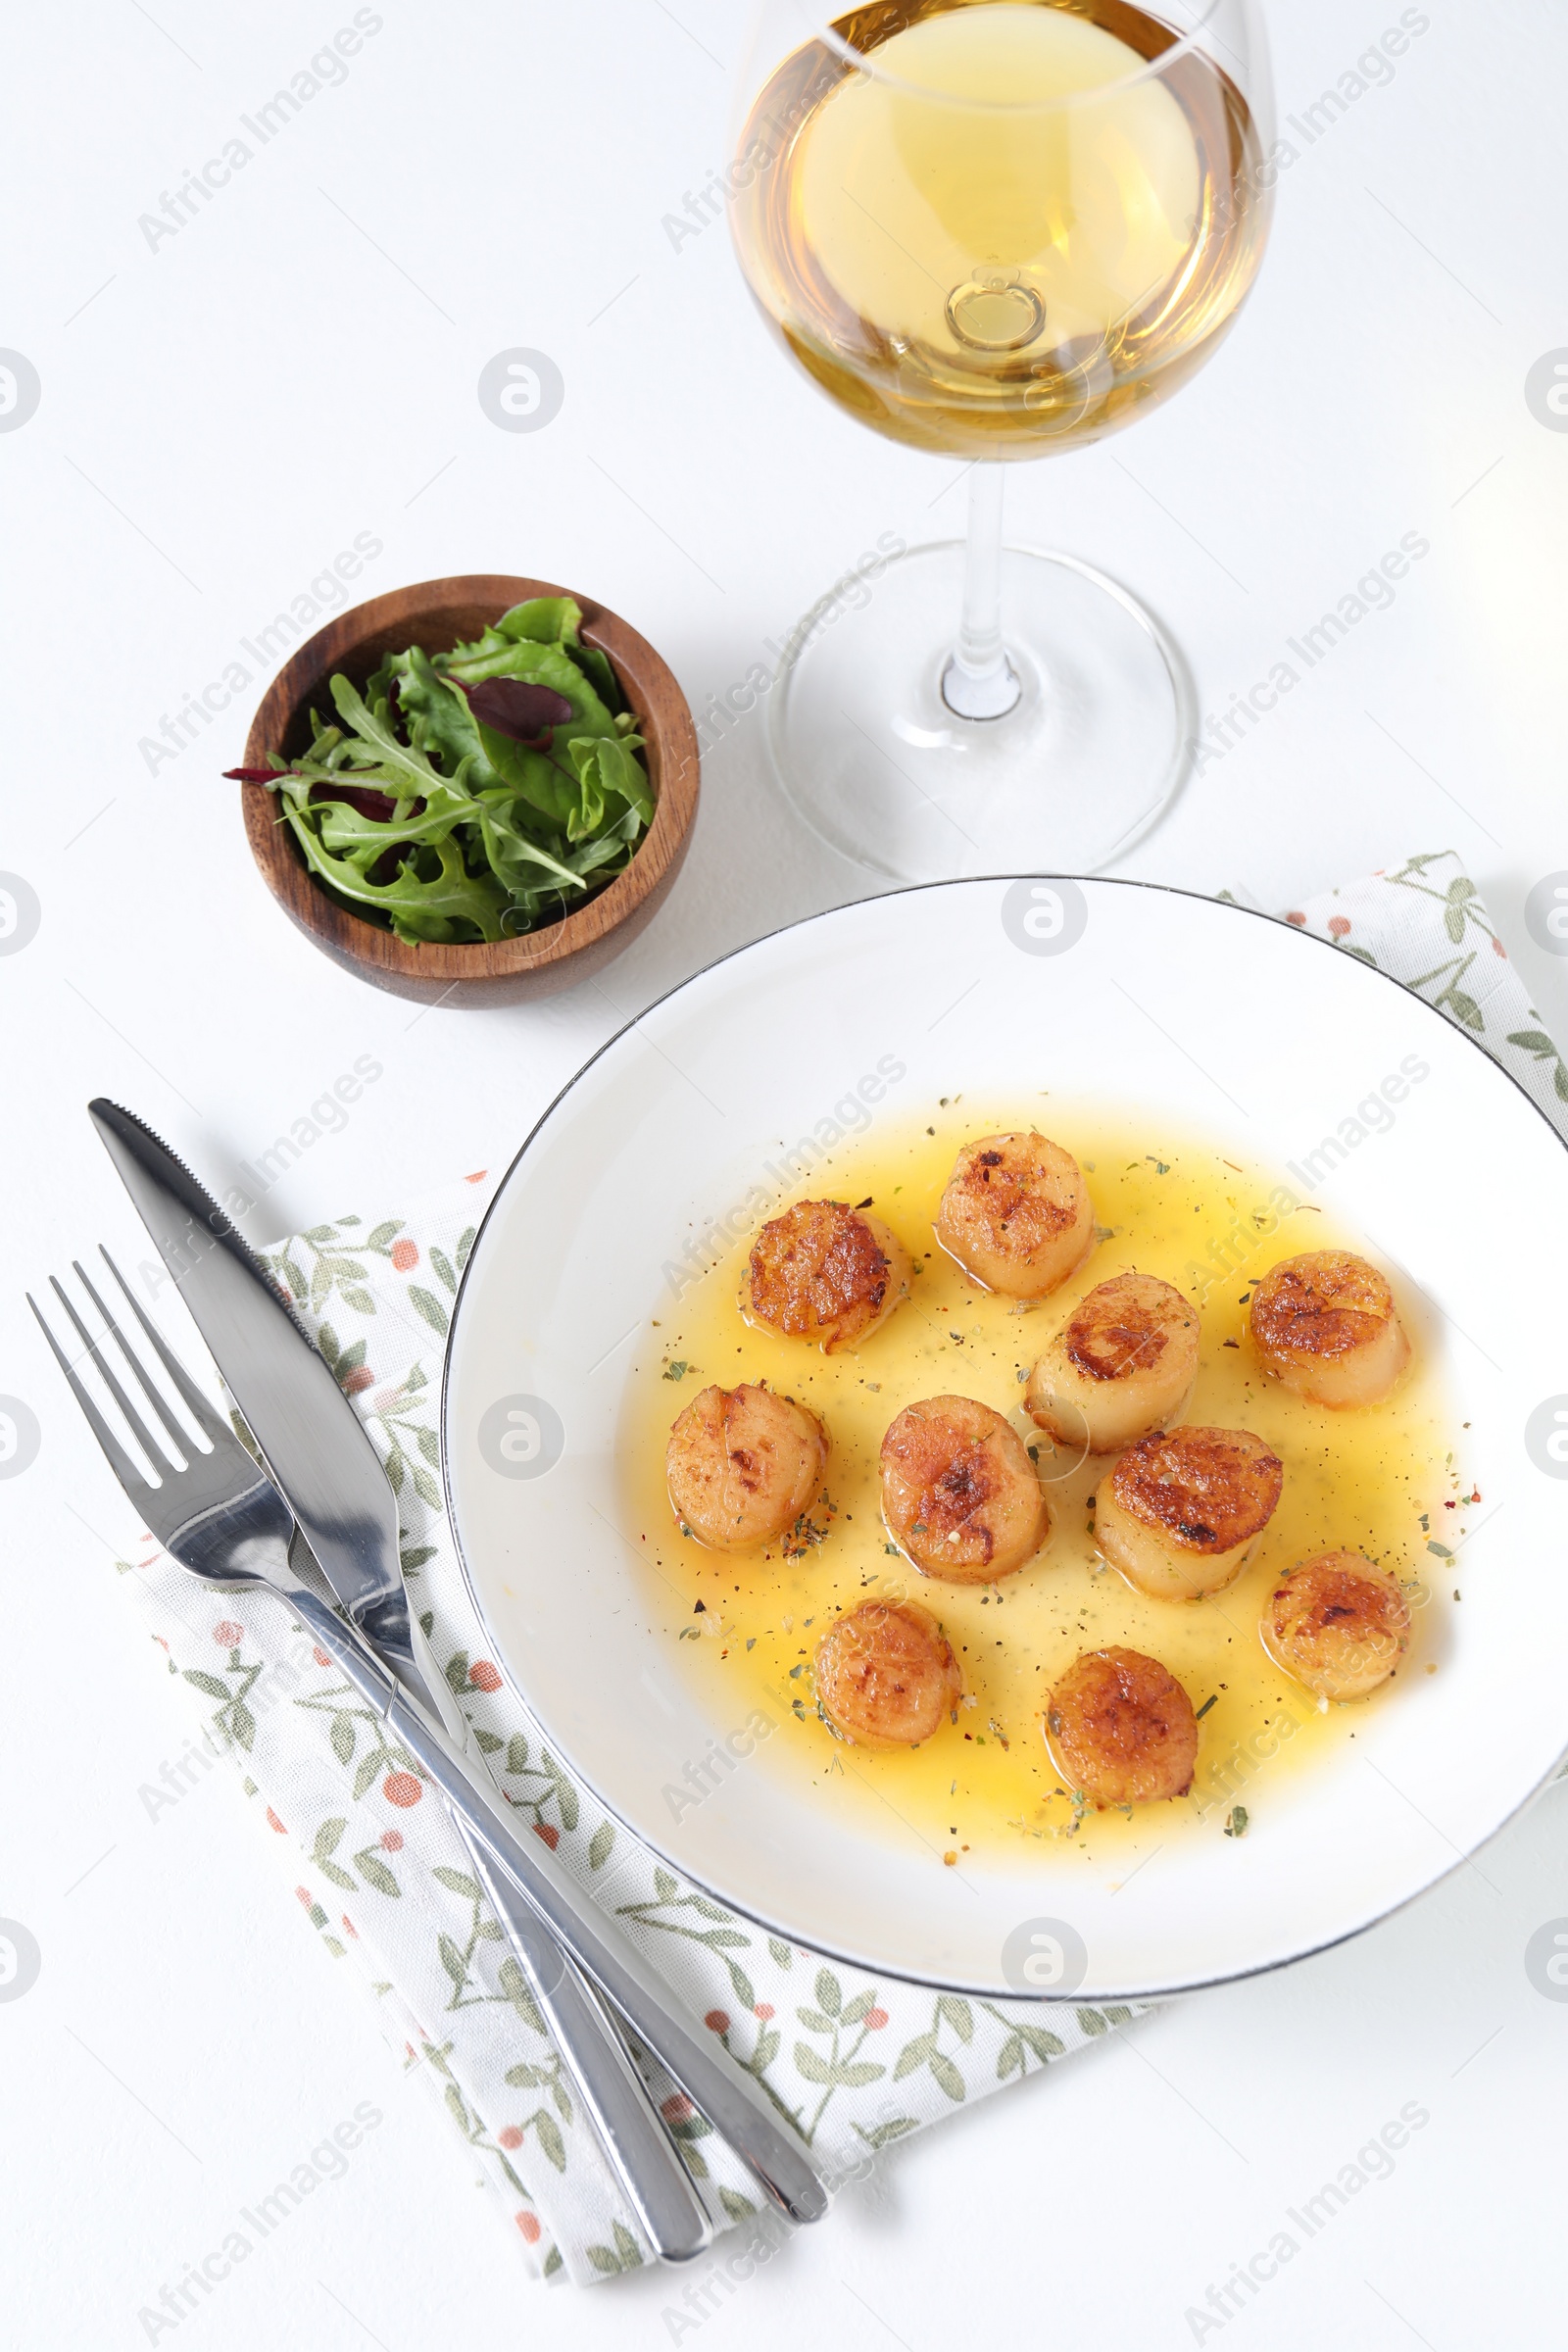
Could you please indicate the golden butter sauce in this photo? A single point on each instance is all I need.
(1385, 1481)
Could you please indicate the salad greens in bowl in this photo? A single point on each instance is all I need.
(474, 790)
(474, 793)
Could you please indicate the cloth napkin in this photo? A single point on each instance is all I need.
(1425, 925)
(855, 2062)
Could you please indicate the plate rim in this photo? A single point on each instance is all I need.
(1461, 1858)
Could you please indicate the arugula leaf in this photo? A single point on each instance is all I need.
(343, 828)
(375, 731)
(611, 850)
(515, 856)
(413, 898)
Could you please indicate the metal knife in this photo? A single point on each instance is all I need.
(347, 1516)
(319, 1455)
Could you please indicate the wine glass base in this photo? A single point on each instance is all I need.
(871, 755)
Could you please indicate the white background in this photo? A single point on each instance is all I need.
(220, 416)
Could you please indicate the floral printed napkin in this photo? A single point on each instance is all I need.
(853, 2063)
(1425, 925)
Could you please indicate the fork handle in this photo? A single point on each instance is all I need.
(642, 2154)
(563, 1916)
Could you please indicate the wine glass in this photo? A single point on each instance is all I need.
(996, 230)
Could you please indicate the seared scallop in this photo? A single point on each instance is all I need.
(1338, 1623)
(959, 1493)
(1180, 1512)
(1016, 1214)
(1121, 1729)
(1326, 1325)
(742, 1464)
(886, 1676)
(1121, 1367)
(824, 1273)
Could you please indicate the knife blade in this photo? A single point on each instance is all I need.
(320, 1456)
(304, 1425)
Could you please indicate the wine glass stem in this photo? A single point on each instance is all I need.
(979, 682)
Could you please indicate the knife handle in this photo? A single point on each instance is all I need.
(640, 2148)
(559, 1915)
(644, 2158)
(704, 2071)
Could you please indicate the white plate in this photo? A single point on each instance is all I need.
(1143, 997)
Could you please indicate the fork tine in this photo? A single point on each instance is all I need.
(166, 1420)
(120, 1461)
(172, 1367)
(139, 1428)
(196, 1404)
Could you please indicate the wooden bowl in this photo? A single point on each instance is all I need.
(439, 614)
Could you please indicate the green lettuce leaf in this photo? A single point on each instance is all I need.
(596, 669)
(546, 666)
(438, 718)
(548, 620)
(612, 777)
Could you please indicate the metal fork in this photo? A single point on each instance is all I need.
(222, 1519)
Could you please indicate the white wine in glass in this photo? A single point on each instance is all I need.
(996, 230)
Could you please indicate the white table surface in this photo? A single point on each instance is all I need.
(221, 413)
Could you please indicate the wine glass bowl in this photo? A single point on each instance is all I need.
(1009, 228)
(995, 230)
